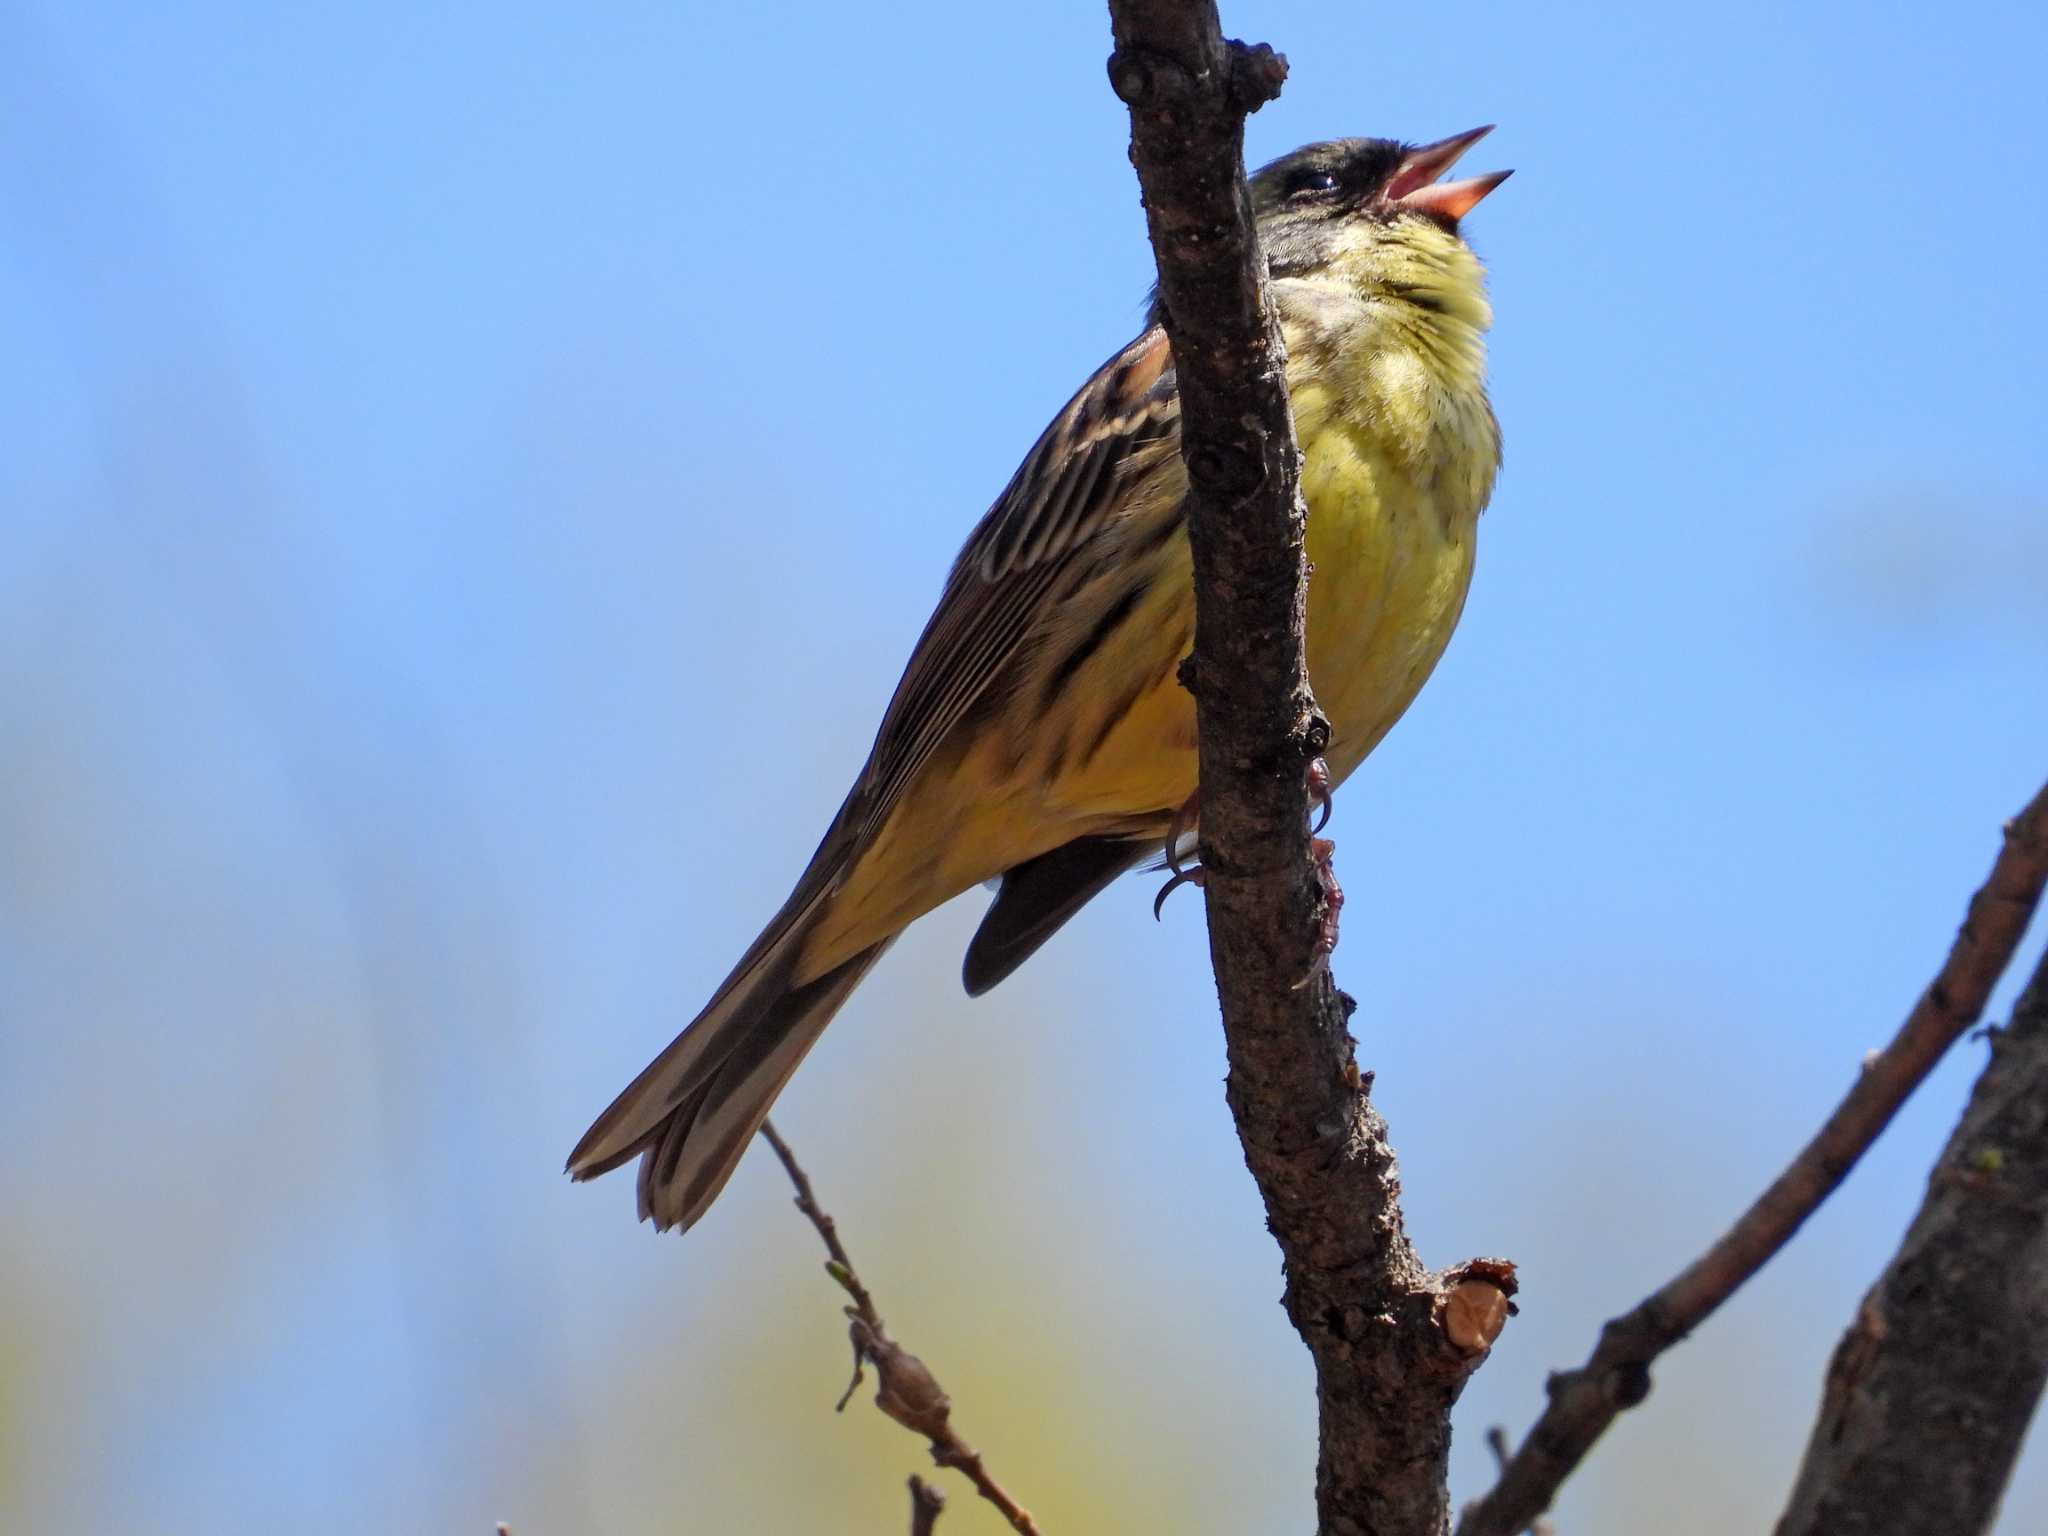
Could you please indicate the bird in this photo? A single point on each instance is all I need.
(1040, 738)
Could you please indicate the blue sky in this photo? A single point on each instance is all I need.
(472, 477)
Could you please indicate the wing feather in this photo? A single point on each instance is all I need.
(1121, 427)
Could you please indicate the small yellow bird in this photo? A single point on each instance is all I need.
(1040, 734)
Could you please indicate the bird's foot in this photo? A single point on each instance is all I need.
(1324, 851)
(1320, 802)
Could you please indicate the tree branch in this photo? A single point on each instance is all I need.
(1617, 1375)
(926, 1505)
(1393, 1344)
(1931, 1390)
(905, 1388)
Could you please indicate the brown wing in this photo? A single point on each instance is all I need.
(1122, 425)
(694, 1107)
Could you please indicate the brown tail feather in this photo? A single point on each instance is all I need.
(688, 1158)
(674, 1082)
(689, 1116)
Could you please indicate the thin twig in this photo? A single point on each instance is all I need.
(905, 1388)
(1617, 1375)
(840, 1266)
(926, 1505)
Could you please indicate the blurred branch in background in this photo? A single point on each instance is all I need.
(905, 1388)
(1393, 1344)
(1930, 1392)
(1617, 1375)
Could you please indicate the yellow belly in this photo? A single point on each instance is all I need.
(1390, 545)
(1391, 555)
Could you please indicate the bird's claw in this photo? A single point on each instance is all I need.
(1333, 898)
(1319, 793)
(1183, 819)
(1192, 875)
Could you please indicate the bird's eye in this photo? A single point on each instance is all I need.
(1311, 181)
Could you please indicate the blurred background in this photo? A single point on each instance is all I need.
(471, 477)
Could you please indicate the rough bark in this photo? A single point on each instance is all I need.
(1931, 1390)
(1583, 1402)
(1393, 1343)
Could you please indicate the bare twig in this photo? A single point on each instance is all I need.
(1374, 1318)
(926, 1505)
(1617, 1375)
(905, 1388)
(1930, 1392)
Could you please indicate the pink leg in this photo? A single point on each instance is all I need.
(1324, 851)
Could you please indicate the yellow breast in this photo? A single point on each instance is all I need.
(1399, 453)
(1390, 543)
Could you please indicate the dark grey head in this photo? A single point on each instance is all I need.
(1303, 199)
(1373, 212)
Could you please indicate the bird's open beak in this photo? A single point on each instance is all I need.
(1415, 186)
